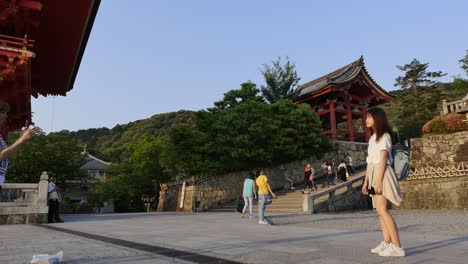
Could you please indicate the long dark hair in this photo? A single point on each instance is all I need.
(380, 123)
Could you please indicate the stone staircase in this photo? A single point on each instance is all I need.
(291, 201)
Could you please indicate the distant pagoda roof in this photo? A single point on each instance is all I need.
(338, 78)
(94, 163)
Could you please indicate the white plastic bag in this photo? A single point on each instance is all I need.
(47, 259)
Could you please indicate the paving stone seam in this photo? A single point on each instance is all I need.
(167, 252)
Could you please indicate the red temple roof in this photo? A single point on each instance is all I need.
(337, 80)
(57, 32)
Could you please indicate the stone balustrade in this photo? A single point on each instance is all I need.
(24, 203)
(453, 107)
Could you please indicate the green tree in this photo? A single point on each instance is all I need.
(281, 81)
(416, 75)
(136, 176)
(464, 63)
(244, 132)
(59, 155)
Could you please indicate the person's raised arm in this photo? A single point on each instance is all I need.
(11, 150)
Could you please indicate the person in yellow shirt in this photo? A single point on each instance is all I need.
(264, 191)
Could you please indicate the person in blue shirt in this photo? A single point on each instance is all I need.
(6, 151)
(248, 195)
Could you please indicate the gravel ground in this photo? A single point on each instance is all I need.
(442, 222)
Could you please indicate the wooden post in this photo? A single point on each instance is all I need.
(350, 122)
(333, 120)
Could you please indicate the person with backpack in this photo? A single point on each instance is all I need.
(342, 171)
(381, 182)
(248, 194)
(265, 194)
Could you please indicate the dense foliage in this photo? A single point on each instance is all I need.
(450, 123)
(57, 154)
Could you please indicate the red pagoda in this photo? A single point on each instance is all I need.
(341, 97)
(41, 46)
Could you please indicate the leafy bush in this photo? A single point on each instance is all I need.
(450, 123)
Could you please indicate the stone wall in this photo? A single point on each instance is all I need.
(14, 219)
(439, 150)
(439, 173)
(435, 193)
(224, 188)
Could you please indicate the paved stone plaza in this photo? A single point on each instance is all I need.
(428, 236)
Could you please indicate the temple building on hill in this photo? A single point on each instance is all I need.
(340, 98)
(41, 46)
(95, 168)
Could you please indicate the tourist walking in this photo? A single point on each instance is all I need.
(265, 194)
(381, 182)
(327, 172)
(342, 171)
(350, 165)
(248, 194)
(287, 178)
(307, 173)
(6, 152)
(54, 202)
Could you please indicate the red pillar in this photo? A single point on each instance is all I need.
(350, 122)
(364, 127)
(333, 120)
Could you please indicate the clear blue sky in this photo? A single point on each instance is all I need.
(147, 57)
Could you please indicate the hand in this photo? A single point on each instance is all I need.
(28, 133)
(378, 188)
(274, 195)
(364, 190)
(255, 196)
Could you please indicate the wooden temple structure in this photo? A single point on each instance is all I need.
(41, 46)
(341, 98)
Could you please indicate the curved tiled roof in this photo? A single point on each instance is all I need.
(94, 163)
(342, 75)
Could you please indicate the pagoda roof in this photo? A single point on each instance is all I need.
(94, 163)
(338, 77)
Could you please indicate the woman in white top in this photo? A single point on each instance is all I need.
(381, 182)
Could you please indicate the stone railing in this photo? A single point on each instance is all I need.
(458, 169)
(453, 107)
(310, 199)
(24, 203)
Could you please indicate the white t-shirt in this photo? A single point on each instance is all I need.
(374, 148)
(54, 194)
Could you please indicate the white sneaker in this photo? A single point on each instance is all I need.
(381, 247)
(263, 222)
(392, 251)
